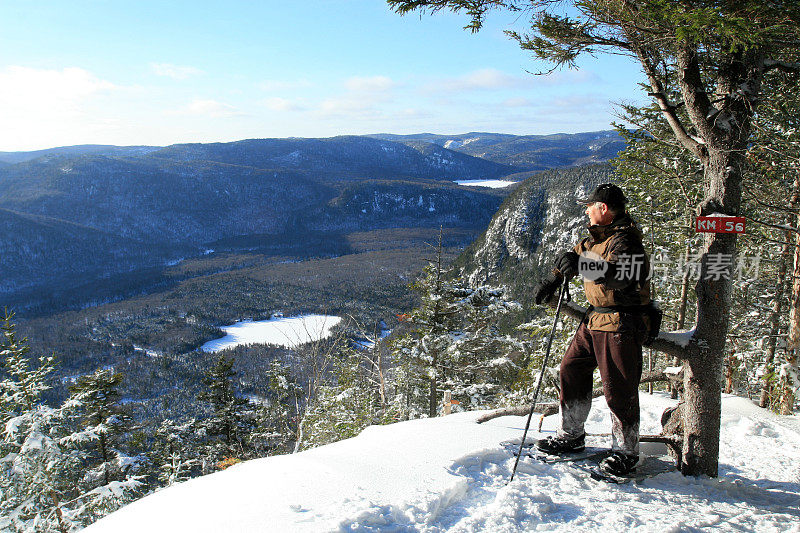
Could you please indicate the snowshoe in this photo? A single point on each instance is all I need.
(561, 445)
(619, 464)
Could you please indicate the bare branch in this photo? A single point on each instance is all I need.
(774, 207)
(551, 408)
(668, 110)
(783, 66)
(782, 227)
(697, 102)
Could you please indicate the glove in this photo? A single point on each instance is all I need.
(567, 264)
(547, 287)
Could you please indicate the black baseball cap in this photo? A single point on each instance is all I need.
(609, 194)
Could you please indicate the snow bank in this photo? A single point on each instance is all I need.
(450, 474)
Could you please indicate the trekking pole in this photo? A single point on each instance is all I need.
(564, 290)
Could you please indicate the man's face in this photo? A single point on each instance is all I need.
(598, 214)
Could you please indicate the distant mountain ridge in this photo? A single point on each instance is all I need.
(531, 152)
(528, 152)
(78, 150)
(347, 157)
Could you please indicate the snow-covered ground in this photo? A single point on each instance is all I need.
(287, 332)
(494, 184)
(451, 474)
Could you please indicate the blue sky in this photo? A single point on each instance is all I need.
(146, 72)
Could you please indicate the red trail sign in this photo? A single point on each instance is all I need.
(719, 225)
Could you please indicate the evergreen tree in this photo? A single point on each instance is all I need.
(23, 388)
(36, 471)
(110, 477)
(276, 419)
(174, 452)
(433, 324)
(231, 420)
(772, 196)
(759, 304)
(451, 342)
(481, 362)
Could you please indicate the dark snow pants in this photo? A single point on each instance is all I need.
(618, 355)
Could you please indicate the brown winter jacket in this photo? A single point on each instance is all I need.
(625, 284)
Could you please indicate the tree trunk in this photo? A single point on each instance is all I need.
(433, 405)
(793, 341)
(777, 309)
(381, 375)
(703, 370)
(104, 455)
(680, 322)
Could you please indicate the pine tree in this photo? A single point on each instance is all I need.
(662, 179)
(481, 362)
(451, 342)
(25, 385)
(276, 419)
(433, 324)
(773, 198)
(36, 471)
(231, 420)
(174, 452)
(110, 477)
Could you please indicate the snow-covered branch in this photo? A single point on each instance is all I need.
(671, 343)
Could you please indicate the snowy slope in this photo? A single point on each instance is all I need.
(450, 474)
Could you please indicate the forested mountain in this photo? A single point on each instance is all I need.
(78, 150)
(529, 152)
(343, 158)
(34, 246)
(539, 219)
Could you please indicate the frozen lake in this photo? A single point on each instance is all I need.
(287, 332)
(494, 184)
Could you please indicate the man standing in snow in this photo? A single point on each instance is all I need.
(615, 269)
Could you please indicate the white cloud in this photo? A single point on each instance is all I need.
(362, 98)
(568, 77)
(517, 102)
(209, 108)
(176, 72)
(347, 106)
(47, 107)
(283, 85)
(483, 79)
(281, 104)
(490, 79)
(412, 112)
(578, 102)
(369, 84)
(24, 89)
